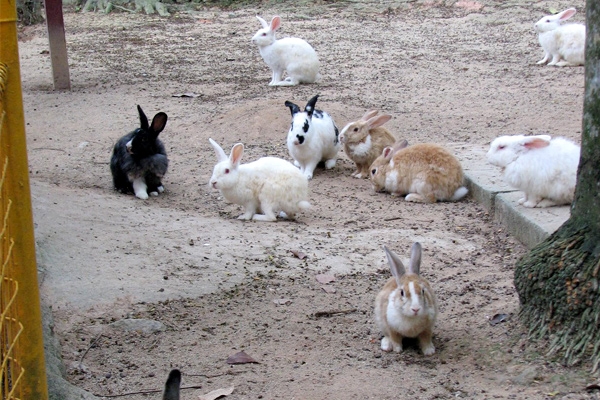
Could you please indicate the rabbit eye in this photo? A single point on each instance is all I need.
(423, 292)
(355, 129)
(264, 34)
(373, 171)
(226, 170)
(501, 147)
(402, 292)
(547, 20)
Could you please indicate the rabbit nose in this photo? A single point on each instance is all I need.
(415, 310)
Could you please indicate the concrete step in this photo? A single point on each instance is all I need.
(529, 225)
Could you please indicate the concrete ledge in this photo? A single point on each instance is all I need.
(529, 225)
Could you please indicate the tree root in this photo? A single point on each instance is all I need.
(106, 6)
(557, 283)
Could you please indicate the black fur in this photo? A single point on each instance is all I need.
(147, 156)
(172, 385)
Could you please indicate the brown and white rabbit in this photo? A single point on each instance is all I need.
(406, 306)
(365, 139)
(424, 172)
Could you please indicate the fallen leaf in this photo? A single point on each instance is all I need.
(593, 386)
(282, 302)
(496, 319)
(215, 394)
(191, 95)
(298, 254)
(324, 278)
(328, 289)
(241, 358)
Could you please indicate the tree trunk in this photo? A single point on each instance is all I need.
(29, 12)
(557, 281)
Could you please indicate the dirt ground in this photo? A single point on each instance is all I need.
(448, 72)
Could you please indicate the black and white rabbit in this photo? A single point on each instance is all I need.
(139, 159)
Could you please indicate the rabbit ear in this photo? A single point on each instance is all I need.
(158, 123)
(237, 151)
(564, 15)
(275, 23)
(262, 22)
(221, 156)
(387, 152)
(378, 121)
(396, 266)
(399, 145)
(310, 106)
(368, 115)
(143, 119)
(172, 386)
(536, 142)
(415, 258)
(293, 107)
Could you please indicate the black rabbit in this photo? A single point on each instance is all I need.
(172, 385)
(139, 159)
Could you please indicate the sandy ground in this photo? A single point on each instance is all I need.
(448, 73)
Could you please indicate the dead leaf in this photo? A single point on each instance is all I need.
(241, 358)
(324, 278)
(189, 94)
(215, 394)
(298, 254)
(593, 386)
(328, 289)
(282, 302)
(496, 319)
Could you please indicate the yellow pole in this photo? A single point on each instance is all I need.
(30, 346)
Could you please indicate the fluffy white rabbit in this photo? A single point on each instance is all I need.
(563, 45)
(292, 55)
(544, 168)
(313, 137)
(269, 184)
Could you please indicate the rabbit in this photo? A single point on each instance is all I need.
(563, 45)
(139, 159)
(268, 184)
(292, 55)
(365, 139)
(313, 137)
(406, 306)
(172, 386)
(424, 172)
(542, 167)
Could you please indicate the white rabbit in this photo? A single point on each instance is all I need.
(544, 168)
(563, 45)
(313, 137)
(268, 184)
(292, 55)
(406, 306)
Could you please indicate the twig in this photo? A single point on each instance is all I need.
(392, 219)
(93, 342)
(217, 375)
(320, 314)
(145, 392)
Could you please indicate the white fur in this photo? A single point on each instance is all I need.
(320, 142)
(547, 175)
(139, 187)
(563, 45)
(292, 55)
(362, 149)
(269, 184)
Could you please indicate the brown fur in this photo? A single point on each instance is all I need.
(357, 133)
(425, 173)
